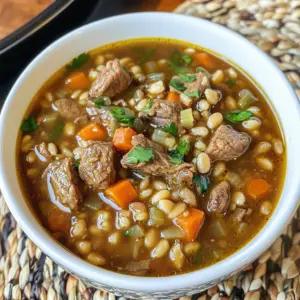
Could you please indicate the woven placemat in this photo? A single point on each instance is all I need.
(273, 25)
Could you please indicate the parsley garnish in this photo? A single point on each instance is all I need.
(230, 81)
(99, 102)
(29, 124)
(202, 183)
(56, 131)
(187, 77)
(78, 62)
(148, 105)
(179, 61)
(171, 128)
(76, 164)
(176, 156)
(238, 116)
(178, 85)
(194, 94)
(119, 114)
(139, 154)
(186, 58)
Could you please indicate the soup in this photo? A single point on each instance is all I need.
(151, 157)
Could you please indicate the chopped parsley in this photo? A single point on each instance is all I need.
(186, 58)
(139, 154)
(179, 62)
(202, 183)
(76, 164)
(187, 77)
(119, 114)
(230, 81)
(177, 156)
(148, 105)
(29, 125)
(99, 102)
(194, 94)
(178, 85)
(238, 116)
(171, 128)
(78, 62)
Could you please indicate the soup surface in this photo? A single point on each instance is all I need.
(151, 157)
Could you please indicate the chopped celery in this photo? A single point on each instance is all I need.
(157, 217)
(186, 118)
(135, 231)
(172, 232)
(246, 99)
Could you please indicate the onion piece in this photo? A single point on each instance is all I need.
(172, 232)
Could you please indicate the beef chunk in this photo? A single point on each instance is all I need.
(227, 144)
(96, 166)
(159, 165)
(42, 152)
(61, 182)
(69, 109)
(200, 84)
(111, 80)
(219, 198)
(164, 112)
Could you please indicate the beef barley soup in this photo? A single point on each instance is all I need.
(151, 157)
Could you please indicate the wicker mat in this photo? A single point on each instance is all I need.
(273, 25)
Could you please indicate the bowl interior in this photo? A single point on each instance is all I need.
(232, 47)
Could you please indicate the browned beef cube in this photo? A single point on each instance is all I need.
(219, 198)
(96, 166)
(111, 81)
(227, 144)
(61, 181)
(69, 109)
(159, 165)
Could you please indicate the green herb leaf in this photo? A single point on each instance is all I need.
(177, 69)
(194, 94)
(177, 156)
(76, 164)
(202, 183)
(78, 62)
(186, 58)
(56, 131)
(178, 85)
(29, 124)
(125, 69)
(183, 147)
(120, 116)
(171, 128)
(148, 105)
(139, 154)
(143, 54)
(238, 116)
(99, 102)
(187, 77)
(230, 81)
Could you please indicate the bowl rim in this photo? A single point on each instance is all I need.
(71, 262)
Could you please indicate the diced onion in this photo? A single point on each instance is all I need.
(172, 232)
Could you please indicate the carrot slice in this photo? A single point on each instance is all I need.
(122, 138)
(173, 96)
(93, 132)
(122, 193)
(257, 188)
(77, 81)
(205, 60)
(191, 224)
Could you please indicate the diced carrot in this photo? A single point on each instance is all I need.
(122, 138)
(168, 5)
(173, 96)
(93, 132)
(59, 221)
(257, 188)
(122, 193)
(191, 224)
(205, 60)
(77, 81)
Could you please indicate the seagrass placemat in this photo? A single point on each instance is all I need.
(273, 25)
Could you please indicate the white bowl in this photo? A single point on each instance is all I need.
(219, 39)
